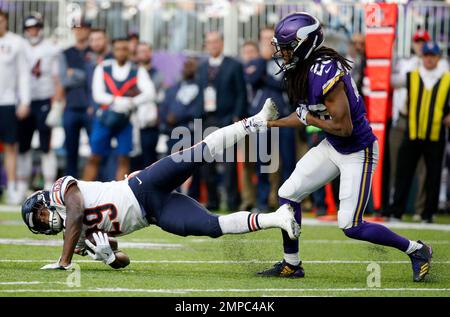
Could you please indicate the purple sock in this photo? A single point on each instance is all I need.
(291, 246)
(378, 234)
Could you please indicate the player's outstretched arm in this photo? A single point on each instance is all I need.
(74, 222)
(286, 122)
(340, 123)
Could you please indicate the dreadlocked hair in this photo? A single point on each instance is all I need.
(296, 79)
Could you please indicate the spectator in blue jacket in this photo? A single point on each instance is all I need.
(274, 88)
(148, 128)
(254, 71)
(254, 74)
(182, 104)
(221, 80)
(73, 68)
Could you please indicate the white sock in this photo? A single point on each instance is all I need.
(49, 166)
(244, 221)
(292, 258)
(413, 246)
(225, 137)
(237, 222)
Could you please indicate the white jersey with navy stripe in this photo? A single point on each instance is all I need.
(110, 207)
(43, 60)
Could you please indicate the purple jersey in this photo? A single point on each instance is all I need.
(322, 78)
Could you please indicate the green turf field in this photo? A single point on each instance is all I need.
(166, 265)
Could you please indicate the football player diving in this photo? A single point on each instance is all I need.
(318, 83)
(100, 210)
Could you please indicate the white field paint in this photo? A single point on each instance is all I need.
(158, 244)
(58, 243)
(223, 261)
(29, 283)
(224, 290)
(318, 223)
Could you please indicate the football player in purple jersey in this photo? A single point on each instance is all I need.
(325, 96)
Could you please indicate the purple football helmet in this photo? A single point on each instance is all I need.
(298, 35)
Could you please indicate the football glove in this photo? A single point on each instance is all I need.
(102, 249)
(302, 111)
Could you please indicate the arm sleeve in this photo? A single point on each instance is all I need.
(98, 87)
(24, 73)
(146, 87)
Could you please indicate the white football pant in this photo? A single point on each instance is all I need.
(322, 164)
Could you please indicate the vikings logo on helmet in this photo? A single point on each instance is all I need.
(298, 34)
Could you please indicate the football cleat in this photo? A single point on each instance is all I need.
(287, 221)
(258, 122)
(269, 110)
(284, 269)
(421, 262)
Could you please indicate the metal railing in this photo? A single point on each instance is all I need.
(180, 25)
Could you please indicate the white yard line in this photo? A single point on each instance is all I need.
(314, 222)
(53, 243)
(10, 209)
(167, 243)
(302, 241)
(224, 290)
(395, 225)
(224, 261)
(29, 283)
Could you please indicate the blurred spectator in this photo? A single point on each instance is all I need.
(255, 76)
(73, 73)
(99, 46)
(274, 88)
(146, 125)
(145, 59)
(399, 124)
(357, 54)
(119, 86)
(254, 71)
(43, 58)
(428, 114)
(182, 103)
(133, 41)
(221, 79)
(14, 99)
